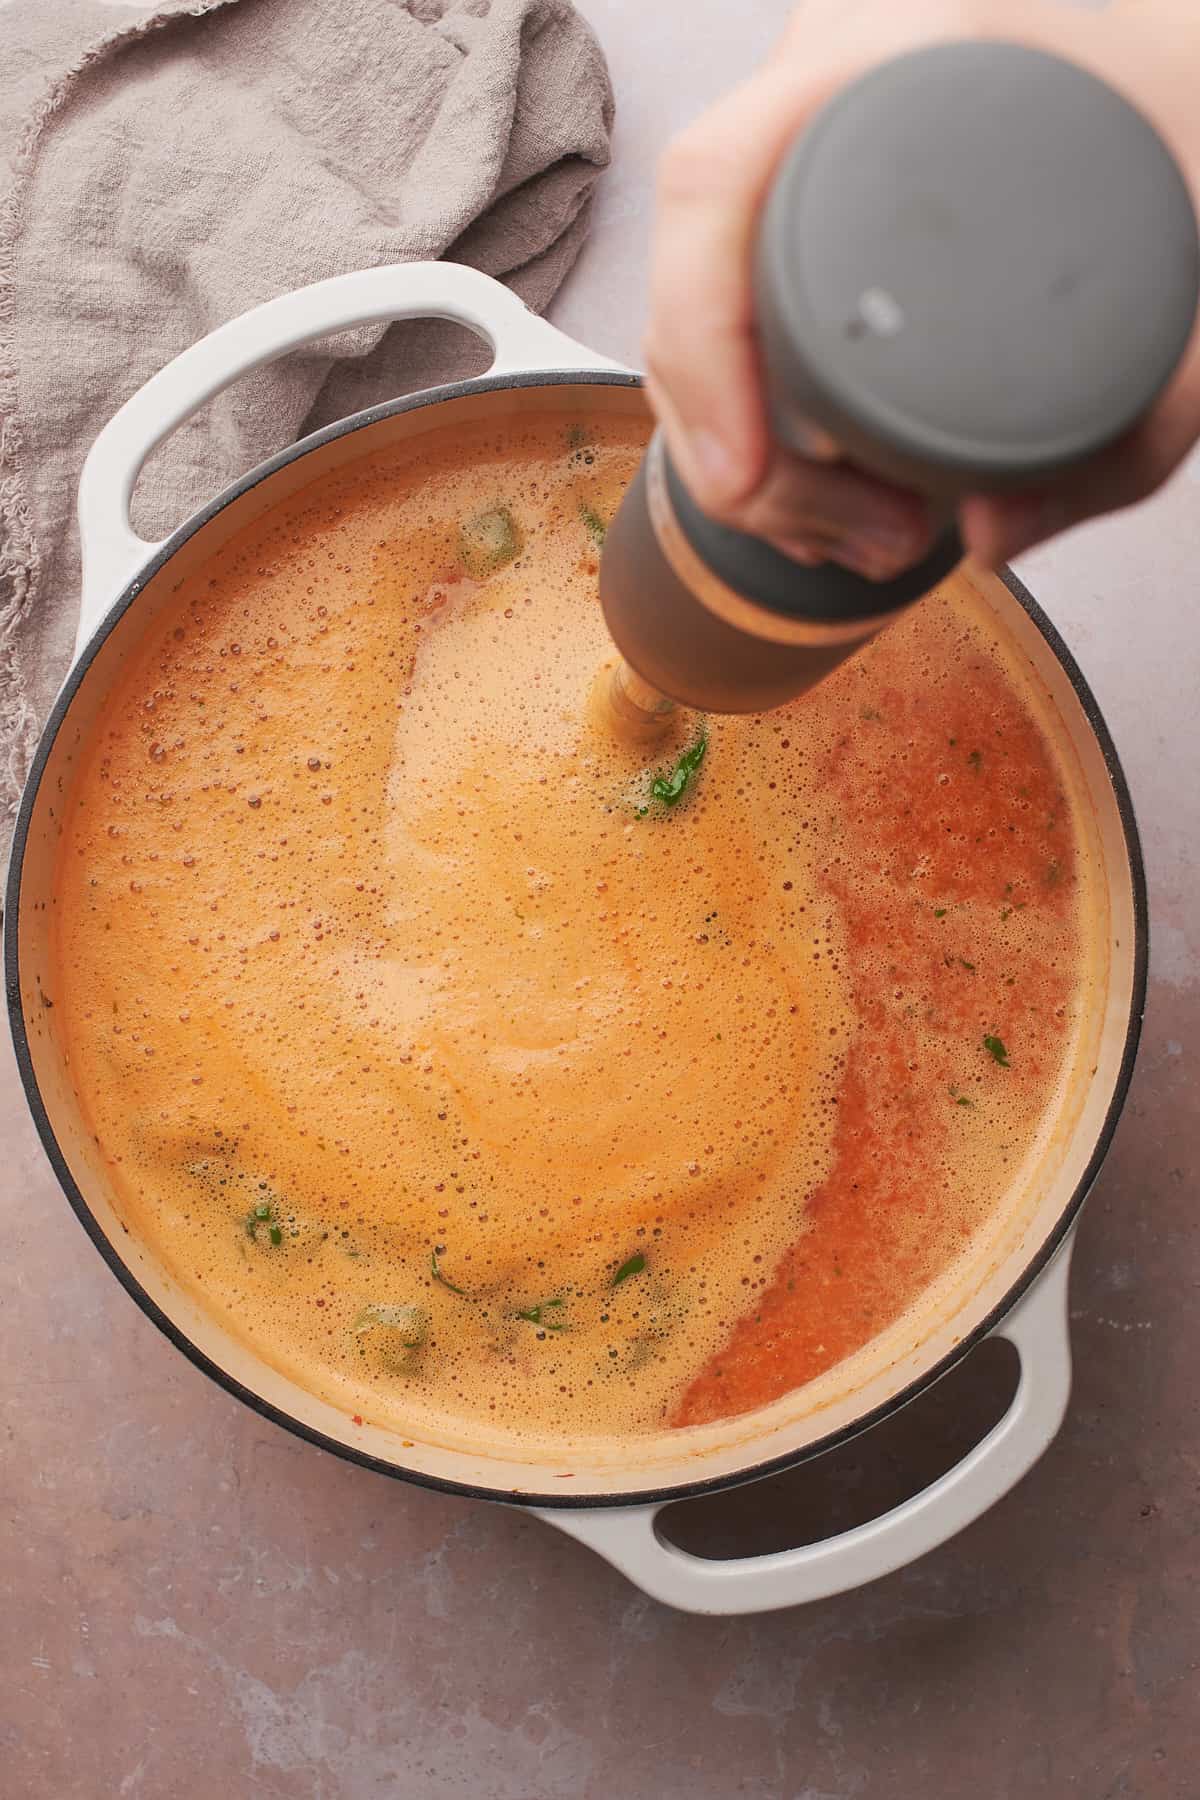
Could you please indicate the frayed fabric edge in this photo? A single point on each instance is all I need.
(19, 568)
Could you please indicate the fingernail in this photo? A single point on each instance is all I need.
(801, 552)
(716, 467)
(894, 540)
(871, 558)
(816, 444)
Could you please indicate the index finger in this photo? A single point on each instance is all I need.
(701, 347)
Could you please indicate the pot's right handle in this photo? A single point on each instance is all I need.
(112, 551)
(629, 1539)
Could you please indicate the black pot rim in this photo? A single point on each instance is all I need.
(255, 1401)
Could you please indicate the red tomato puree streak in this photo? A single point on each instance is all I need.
(1005, 844)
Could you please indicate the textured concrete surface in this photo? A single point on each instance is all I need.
(193, 1603)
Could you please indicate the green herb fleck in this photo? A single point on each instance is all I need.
(536, 1315)
(966, 964)
(438, 1276)
(939, 912)
(261, 1214)
(577, 437)
(995, 1049)
(670, 789)
(397, 1340)
(959, 1099)
(488, 541)
(975, 760)
(595, 524)
(412, 1322)
(1004, 913)
(872, 715)
(633, 1265)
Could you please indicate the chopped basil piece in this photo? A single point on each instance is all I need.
(670, 789)
(632, 1266)
(488, 541)
(412, 1322)
(438, 1276)
(995, 1049)
(595, 524)
(536, 1315)
(394, 1337)
(262, 1213)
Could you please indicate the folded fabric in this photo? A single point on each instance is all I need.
(179, 164)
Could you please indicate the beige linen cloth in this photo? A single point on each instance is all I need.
(167, 167)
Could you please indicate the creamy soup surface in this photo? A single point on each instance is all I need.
(487, 1092)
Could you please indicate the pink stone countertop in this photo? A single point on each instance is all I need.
(193, 1603)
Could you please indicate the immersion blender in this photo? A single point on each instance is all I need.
(977, 267)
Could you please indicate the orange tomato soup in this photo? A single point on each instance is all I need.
(483, 1086)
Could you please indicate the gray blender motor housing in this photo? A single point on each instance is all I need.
(977, 267)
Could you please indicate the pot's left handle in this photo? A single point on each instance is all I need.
(113, 552)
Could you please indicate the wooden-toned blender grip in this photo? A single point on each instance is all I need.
(676, 644)
(629, 707)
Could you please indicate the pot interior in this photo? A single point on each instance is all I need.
(999, 1261)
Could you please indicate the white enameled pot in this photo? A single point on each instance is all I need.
(1014, 1281)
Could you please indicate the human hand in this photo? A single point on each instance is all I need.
(702, 359)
